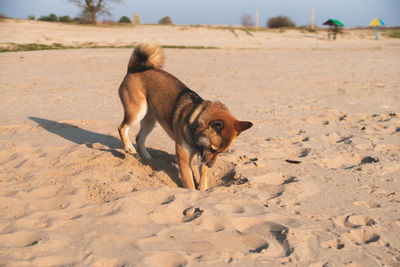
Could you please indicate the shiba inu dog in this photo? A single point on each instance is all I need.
(198, 127)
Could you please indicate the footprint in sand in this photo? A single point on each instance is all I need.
(20, 239)
(214, 224)
(111, 262)
(358, 235)
(104, 210)
(337, 138)
(272, 184)
(191, 214)
(354, 221)
(170, 259)
(168, 200)
(341, 160)
(33, 221)
(231, 208)
(276, 236)
(367, 204)
(275, 242)
(333, 243)
(272, 178)
(361, 236)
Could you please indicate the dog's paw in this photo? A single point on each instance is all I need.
(145, 155)
(203, 187)
(129, 149)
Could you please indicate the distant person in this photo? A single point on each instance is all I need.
(335, 31)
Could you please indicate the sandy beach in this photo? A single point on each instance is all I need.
(315, 182)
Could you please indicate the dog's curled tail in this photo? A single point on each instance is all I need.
(146, 56)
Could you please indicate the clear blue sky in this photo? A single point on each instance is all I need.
(352, 13)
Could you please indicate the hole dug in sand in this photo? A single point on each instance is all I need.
(223, 173)
(163, 170)
(131, 174)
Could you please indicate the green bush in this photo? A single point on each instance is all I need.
(52, 17)
(65, 18)
(124, 19)
(280, 21)
(2, 17)
(395, 34)
(31, 17)
(165, 21)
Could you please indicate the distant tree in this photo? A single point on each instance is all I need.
(165, 20)
(31, 17)
(92, 8)
(52, 17)
(280, 21)
(247, 20)
(136, 19)
(124, 19)
(65, 18)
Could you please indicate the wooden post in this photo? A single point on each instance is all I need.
(312, 18)
(257, 20)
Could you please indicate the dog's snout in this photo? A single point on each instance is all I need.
(209, 164)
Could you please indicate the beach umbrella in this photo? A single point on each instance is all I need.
(377, 22)
(333, 22)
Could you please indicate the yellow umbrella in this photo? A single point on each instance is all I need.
(377, 22)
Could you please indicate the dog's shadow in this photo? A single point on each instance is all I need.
(110, 144)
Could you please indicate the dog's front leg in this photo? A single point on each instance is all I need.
(183, 158)
(203, 177)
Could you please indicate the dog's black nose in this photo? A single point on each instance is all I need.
(209, 164)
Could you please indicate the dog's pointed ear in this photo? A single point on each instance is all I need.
(241, 126)
(217, 125)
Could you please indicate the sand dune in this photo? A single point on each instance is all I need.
(315, 182)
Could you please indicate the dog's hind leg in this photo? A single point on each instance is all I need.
(146, 126)
(133, 113)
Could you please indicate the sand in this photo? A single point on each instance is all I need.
(315, 182)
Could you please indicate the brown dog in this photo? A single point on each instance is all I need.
(149, 94)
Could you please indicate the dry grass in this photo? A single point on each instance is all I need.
(13, 47)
